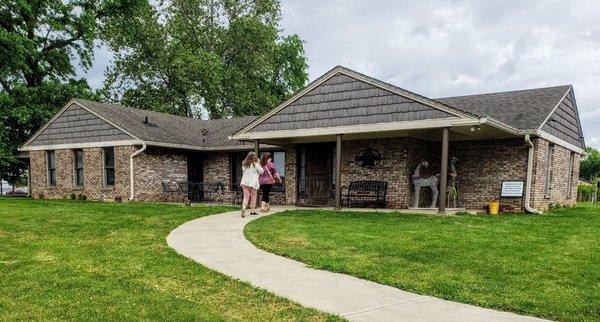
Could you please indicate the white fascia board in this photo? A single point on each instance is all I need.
(504, 127)
(224, 148)
(547, 136)
(81, 145)
(363, 128)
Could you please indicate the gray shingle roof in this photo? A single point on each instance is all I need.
(172, 129)
(522, 109)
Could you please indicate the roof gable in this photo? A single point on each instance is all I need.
(74, 124)
(564, 122)
(343, 97)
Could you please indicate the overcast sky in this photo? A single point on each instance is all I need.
(445, 48)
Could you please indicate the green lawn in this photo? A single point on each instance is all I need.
(547, 266)
(66, 260)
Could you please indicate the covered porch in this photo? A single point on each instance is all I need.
(464, 161)
(347, 132)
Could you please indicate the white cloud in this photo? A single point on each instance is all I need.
(443, 48)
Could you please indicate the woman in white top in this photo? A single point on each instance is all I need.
(251, 170)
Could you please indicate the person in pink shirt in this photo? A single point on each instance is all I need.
(267, 179)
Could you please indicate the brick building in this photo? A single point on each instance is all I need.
(343, 127)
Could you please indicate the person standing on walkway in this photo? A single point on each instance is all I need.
(251, 170)
(267, 179)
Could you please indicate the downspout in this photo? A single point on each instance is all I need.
(527, 206)
(131, 176)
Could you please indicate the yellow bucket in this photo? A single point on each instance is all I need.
(494, 207)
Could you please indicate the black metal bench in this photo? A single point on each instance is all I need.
(366, 193)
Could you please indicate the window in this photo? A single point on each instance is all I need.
(51, 162)
(78, 167)
(109, 166)
(549, 165)
(570, 180)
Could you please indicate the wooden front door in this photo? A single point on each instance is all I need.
(316, 174)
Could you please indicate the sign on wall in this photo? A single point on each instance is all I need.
(512, 188)
(368, 158)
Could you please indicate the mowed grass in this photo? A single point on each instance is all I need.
(547, 266)
(66, 260)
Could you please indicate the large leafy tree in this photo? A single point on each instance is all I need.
(40, 43)
(590, 164)
(223, 57)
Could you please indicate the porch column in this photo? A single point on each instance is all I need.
(338, 172)
(256, 147)
(444, 175)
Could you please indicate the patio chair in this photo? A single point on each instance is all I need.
(190, 190)
(169, 190)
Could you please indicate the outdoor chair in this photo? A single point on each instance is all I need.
(212, 191)
(169, 190)
(190, 190)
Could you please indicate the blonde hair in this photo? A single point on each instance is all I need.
(250, 159)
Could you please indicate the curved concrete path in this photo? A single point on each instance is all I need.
(218, 243)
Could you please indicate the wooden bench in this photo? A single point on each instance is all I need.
(366, 193)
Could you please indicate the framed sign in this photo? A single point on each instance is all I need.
(512, 189)
(368, 158)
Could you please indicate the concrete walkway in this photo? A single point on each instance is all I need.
(218, 243)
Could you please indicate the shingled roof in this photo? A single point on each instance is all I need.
(523, 109)
(343, 101)
(172, 129)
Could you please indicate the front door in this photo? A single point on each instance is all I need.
(316, 174)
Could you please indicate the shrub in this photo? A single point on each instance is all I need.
(585, 192)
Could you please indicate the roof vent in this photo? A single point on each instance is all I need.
(204, 133)
(146, 122)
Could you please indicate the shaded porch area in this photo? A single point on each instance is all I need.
(465, 164)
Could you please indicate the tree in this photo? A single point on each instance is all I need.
(39, 42)
(222, 57)
(590, 164)
(590, 168)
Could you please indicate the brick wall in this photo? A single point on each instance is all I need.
(217, 169)
(152, 167)
(559, 185)
(291, 169)
(93, 175)
(400, 158)
(483, 165)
